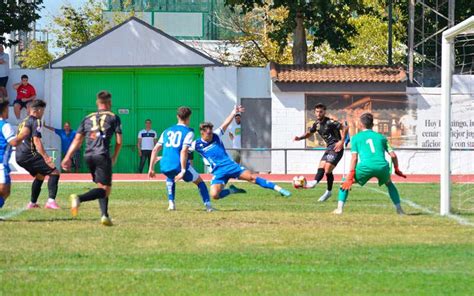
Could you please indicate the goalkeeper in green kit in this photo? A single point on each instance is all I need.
(368, 161)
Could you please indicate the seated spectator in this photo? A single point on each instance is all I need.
(25, 94)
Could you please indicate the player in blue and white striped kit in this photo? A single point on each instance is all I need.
(210, 146)
(175, 142)
(7, 140)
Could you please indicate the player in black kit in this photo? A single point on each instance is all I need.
(98, 129)
(31, 155)
(333, 133)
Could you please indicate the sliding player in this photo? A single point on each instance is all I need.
(210, 146)
(32, 156)
(7, 140)
(98, 129)
(368, 161)
(334, 134)
(174, 163)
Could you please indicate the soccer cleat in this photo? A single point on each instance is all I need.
(400, 211)
(32, 206)
(325, 196)
(284, 192)
(106, 221)
(52, 205)
(337, 211)
(234, 189)
(311, 184)
(75, 202)
(171, 206)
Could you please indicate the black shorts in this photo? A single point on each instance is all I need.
(3, 81)
(100, 167)
(35, 165)
(22, 104)
(332, 156)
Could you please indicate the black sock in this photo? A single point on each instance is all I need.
(104, 206)
(53, 186)
(96, 193)
(319, 175)
(330, 179)
(36, 190)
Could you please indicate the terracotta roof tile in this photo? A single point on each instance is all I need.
(331, 73)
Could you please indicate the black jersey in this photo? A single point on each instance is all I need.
(98, 129)
(328, 129)
(27, 148)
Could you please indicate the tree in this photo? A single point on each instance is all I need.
(36, 56)
(17, 15)
(74, 27)
(251, 39)
(326, 20)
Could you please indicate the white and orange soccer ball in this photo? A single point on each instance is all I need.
(299, 182)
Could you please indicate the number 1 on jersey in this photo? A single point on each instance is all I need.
(371, 144)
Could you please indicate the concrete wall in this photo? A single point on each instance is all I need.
(288, 120)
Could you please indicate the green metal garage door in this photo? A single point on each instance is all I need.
(137, 94)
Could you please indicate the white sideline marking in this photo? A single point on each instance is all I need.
(412, 204)
(12, 214)
(232, 270)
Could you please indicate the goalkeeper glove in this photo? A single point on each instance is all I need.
(349, 181)
(399, 173)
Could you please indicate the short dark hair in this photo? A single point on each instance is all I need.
(104, 96)
(205, 125)
(24, 76)
(367, 120)
(238, 114)
(38, 104)
(184, 112)
(4, 105)
(67, 122)
(147, 120)
(320, 106)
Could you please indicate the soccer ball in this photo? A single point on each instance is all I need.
(299, 182)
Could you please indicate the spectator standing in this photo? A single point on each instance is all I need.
(25, 94)
(67, 135)
(4, 69)
(235, 132)
(146, 141)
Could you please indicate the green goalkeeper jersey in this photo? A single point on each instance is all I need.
(370, 147)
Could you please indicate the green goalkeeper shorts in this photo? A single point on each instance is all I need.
(363, 174)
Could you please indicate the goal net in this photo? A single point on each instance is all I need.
(457, 120)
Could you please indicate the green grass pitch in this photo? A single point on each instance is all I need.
(256, 244)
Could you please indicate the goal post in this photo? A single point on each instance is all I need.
(447, 67)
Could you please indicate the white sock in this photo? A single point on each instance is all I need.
(50, 200)
(340, 205)
(277, 188)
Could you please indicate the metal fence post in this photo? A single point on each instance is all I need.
(286, 157)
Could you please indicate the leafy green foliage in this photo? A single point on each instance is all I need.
(36, 56)
(17, 15)
(74, 27)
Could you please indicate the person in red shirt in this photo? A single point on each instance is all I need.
(25, 94)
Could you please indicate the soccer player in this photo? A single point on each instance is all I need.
(30, 155)
(210, 147)
(174, 163)
(368, 160)
(7, 140)
(98, 129)
(334, 134)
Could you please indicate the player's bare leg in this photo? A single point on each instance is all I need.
(249, 177)
(216, 190)
(328, 168)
